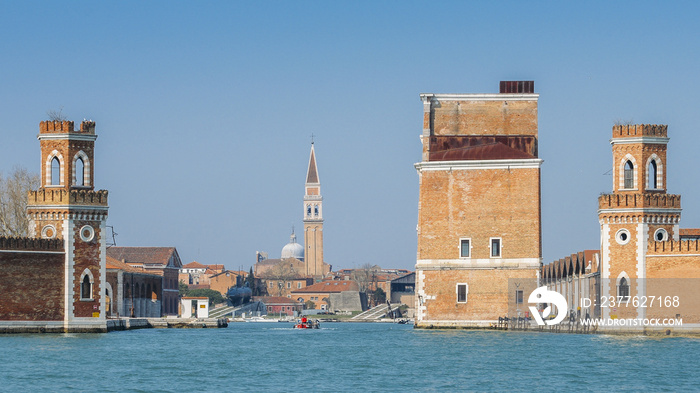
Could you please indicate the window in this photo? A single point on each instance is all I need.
(623, 289)
(464, 248)
(315, 210)
(86, 288)
(55, 172)
(652, 175)
(661, 235)
(79, 172)
(629, 175)
(289, 285)
(519, 297)
(622, 236)
(298, 285)
(462, 290)
(272, 284)
(308, 210)
(495, 247)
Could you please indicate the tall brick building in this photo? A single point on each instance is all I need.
(313, 221)
(644, 254)
(58, 273)
(479, 232)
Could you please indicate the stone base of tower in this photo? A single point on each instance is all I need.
(471, 297)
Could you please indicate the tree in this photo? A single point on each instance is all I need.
(214, 296)
(13, 201)
(310, 305)
(184, 288)
(379, 295)
(56, 115)
(364, 276)
(250, 280)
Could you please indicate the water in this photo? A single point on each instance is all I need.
(344, 357)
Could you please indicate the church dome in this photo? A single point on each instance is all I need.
(293, 249)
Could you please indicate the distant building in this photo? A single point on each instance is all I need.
(333, 295)
(221, 282)
(132, 292)
(277, 305)
(161, 261)
(297, 261)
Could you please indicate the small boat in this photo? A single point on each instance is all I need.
(305, 323)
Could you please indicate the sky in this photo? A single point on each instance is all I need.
(205, 110)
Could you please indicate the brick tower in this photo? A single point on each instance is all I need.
(638, 212)
(313, 220)
(479, 232)
(66, 206)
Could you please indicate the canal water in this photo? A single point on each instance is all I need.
(344, 357)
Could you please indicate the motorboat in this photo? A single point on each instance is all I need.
(306, 323)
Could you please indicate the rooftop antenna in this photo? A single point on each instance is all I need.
(312, 138)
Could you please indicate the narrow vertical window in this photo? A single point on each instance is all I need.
(464, 249)
(79, 172)
(624, 289)
(652, 175)
(308, 210)
(55, 172)
(519, 297)
(629, 175)
(495, 248)
(86, 288)
(462, 293)
(315, 210)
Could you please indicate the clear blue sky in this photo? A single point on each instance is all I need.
(204, 110)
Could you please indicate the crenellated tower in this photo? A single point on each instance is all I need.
(313, 220)
(636, 214)
(66, 206)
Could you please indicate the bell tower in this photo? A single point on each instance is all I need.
(66, 206)
(638, 212)
(313, 220)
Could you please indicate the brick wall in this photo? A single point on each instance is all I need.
(479, 204)
(31, 286)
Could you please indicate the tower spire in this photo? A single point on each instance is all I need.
(313, 219)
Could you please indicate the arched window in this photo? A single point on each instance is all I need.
(629, 175)
(79, 172)
(623, 289)
(652, 175)
(55, 172)
(315, 210)
(308, 210)
(86, 287)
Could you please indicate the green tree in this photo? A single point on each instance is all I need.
(214, 296)
(250, 280)
(310, 305)
(183, 288)
(379, 295)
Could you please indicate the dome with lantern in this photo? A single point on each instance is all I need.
(293, 249)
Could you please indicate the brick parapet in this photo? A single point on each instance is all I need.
(63, 127)
(638, 130)
(639, 200)
(45, 196)
(30, 244)
(672, 247)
